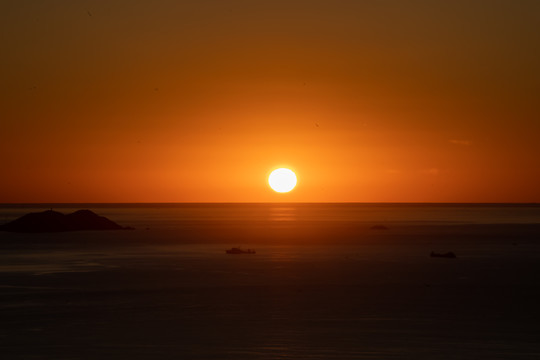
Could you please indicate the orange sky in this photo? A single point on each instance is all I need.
(171, 101)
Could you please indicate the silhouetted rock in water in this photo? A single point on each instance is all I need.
(240, 251)
(379, 227)
(54, 221)
(448, 255)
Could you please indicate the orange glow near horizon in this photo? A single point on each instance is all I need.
(195, 103)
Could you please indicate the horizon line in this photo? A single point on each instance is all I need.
(271, 203)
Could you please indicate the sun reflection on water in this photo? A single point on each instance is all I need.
(282, 213)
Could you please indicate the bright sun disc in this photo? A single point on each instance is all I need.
(282, 180)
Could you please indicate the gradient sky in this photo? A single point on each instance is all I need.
(172, 101)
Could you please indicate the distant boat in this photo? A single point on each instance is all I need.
(239, 251)
(448, 255)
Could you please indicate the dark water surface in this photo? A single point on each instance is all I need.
(322, 285)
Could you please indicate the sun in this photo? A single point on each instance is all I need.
(282, 180)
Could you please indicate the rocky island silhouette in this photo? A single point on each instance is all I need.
(54, 221)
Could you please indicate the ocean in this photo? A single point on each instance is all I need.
(328, 281)
(171, 214)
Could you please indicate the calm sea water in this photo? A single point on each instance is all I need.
(170, 215)
(322, 285)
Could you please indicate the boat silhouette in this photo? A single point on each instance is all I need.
(448, 255)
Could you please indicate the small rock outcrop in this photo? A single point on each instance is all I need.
(54, 221)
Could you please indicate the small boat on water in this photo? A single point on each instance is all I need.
(239, 251)
(448, 255)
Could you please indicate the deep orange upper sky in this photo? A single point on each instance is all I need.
(172, 101)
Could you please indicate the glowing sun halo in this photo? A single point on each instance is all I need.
(282, 180)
